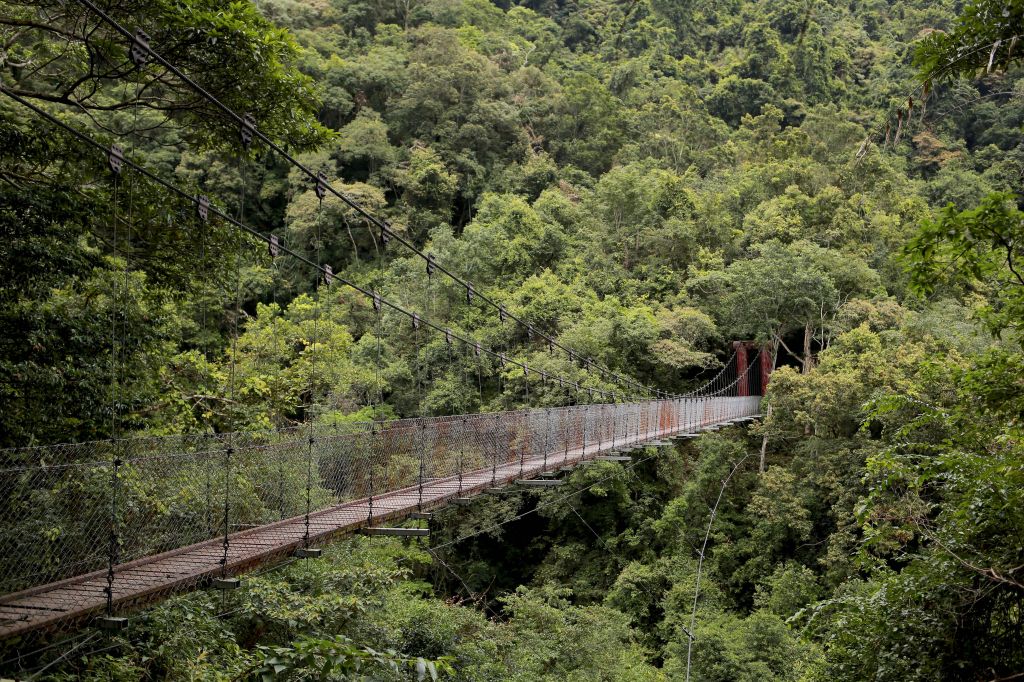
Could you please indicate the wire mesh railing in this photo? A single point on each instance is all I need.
(90, 514)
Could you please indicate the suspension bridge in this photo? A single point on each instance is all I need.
(94, 529)
(178, 513)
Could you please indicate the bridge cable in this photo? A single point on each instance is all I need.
(469, 592)
(922, 92)
(203, 217)
(114, 161)
(276, 277)
(537, 507)
(62, 657)
(523, 447)
(541, 505)
(419, 368)
(314, 349)
(550, 502)
(423, 407)
(607, 548)
(377, 400)
(465, 420)
(118, 352)
(265, 237)
(20, 654)
(428, 366)
(379, 223)
(348, 201)
(238, 260)
(570, 402)
(243, 167)
(547, 434)
(700, 565)
(112, 557)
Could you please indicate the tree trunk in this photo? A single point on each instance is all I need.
(764, 439)
(768, 408)
(808, 362)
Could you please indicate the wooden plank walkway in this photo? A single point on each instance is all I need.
(75, 599)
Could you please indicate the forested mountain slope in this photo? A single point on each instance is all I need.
(648, 180)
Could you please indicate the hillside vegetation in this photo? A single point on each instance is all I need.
(647, 180)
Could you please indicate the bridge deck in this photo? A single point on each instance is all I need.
(145, 579)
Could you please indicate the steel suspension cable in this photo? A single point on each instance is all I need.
(314, 352)
(377, 400)
(700, 565)
(112, 550)
(266, 238)
(243, 168)
(382, 225)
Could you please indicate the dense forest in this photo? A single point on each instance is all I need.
(646, 180)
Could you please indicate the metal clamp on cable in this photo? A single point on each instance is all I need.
(248, 130)
(140, 52)
(320, 187)
(115, 158)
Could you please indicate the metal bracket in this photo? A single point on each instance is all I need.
(112, 623)
(385, 235)
(320, 187)
(328, 275)
(115, 157)
(203, 207)
(226, 583)
(376, 302)
(274, 245)
(415, 321)
(398, 532)
(308, 553)
(248, 130)
(469, 293)
(540, 482)
(139, 51)
(431, 265)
